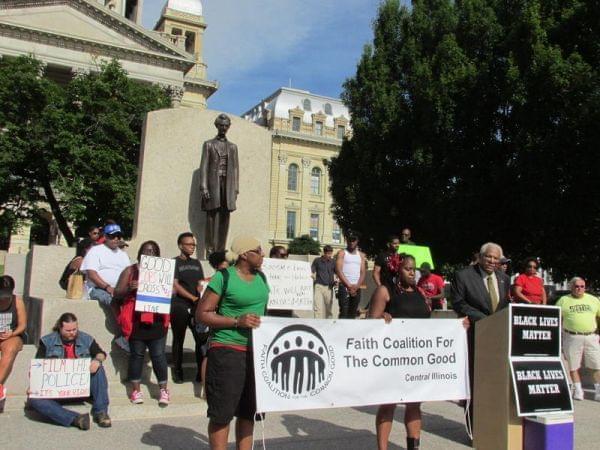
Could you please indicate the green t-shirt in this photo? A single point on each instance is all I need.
(242, 297)
(579, 314)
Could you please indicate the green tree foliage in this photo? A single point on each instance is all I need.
(304, 245)
(75, 147)
(477, 120)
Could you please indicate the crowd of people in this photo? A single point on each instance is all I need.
(220, 313)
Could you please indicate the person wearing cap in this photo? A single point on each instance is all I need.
(432, 286)
(103, 264)
(350, 269)
(528, 286)
(380, 271)
(231, 306)
(13, 321)
(503, 264)
(580, 313)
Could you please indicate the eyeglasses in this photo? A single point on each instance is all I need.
(578, 286)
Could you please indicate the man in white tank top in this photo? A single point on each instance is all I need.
(350, 269)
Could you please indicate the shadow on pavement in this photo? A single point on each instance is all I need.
(168, 437)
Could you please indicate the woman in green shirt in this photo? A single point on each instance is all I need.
(231, 306)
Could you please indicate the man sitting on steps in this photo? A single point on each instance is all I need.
(66, 341)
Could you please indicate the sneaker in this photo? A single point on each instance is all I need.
(165, 398)
(578, 394)
(82, 421)
(137, 397)
(103, 420)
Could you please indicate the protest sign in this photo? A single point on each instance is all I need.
(59, 378)
(155, 285)
(420, 252)
(290, 284)
(308, 364)
(534, 331)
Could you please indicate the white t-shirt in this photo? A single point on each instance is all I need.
(106, 262)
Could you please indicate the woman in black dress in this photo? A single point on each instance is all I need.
(399, 298)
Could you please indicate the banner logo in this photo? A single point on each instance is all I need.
(297, 363)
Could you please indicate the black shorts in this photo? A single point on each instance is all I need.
(230, 389)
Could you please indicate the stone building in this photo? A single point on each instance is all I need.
(70, 36)
(307, 131)
(75, 35)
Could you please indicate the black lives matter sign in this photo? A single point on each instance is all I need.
(535, 331)
(541, 387)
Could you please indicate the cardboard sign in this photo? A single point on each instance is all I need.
(420, 252)
(541, 387)
(312, 363)
(290, 284)
(535, 331)
(59, 378)
(155, 285)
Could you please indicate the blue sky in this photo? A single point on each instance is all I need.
(253, 47)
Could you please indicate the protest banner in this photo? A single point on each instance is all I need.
(59, 378)
(290, 284)
(155, 285)
(309, 364)
(420, 252)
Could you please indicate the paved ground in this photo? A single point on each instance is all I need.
(347, 428)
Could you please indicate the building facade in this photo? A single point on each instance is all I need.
(71, 36)
(308, 131)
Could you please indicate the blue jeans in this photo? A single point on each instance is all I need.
(54, 410)
(101, 295)
(156, 347)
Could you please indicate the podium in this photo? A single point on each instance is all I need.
(496, 424)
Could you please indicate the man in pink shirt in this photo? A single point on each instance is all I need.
(432, 286)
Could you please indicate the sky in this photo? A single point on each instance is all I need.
(254, 47)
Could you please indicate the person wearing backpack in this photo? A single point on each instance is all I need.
(231, 306)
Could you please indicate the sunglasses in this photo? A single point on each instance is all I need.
(112, 237)
(577, 286)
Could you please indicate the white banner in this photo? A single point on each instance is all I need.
(311, 363)
(155, 285)
(59, 378)
(290, 282)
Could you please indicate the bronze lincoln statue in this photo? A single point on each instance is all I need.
(219, 184)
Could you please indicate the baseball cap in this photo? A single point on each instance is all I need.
(112, 228)
(504, 260)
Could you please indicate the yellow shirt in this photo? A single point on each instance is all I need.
(579, 314)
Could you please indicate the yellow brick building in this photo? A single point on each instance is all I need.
(308, 130)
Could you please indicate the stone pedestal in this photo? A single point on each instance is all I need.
(168, 196)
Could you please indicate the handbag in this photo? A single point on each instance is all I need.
(75, 286)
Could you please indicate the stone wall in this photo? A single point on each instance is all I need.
(168, 196)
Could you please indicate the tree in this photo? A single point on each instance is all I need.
(75, 147)
(473, 120)
(304, 245)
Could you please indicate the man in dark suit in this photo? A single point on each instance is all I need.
(477, 292)
(219, 184)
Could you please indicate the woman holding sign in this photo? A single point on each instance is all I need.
(13, 321)
(399, 297)
(231, 306)
(143, 330)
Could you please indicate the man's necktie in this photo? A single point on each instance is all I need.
(493, 293)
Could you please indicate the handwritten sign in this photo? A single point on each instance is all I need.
(290, 283)
(59, 378)
(155, 285)
(421, 253)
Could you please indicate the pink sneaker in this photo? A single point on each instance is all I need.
(137, 397)
(165, 398)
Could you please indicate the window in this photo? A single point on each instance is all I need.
(176, 32)
(336, 234)
(314, 226)
(295, 123)
(293, 177)
(306, 105)
(319, 128)
(190, 42)
(315, 181)
(341, 131)
(328, 110)
(290, 229)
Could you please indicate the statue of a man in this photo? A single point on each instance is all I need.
(219, 184)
